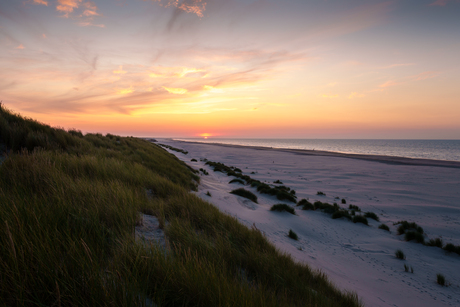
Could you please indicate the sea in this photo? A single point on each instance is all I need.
(448, 150)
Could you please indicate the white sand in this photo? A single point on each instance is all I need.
(355, 257)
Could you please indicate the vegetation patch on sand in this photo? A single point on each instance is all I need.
(245, 193)
(282, 208)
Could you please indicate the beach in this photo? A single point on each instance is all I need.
(355, 257)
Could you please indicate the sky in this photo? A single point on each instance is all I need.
(235, 68)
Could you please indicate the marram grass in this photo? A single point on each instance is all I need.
(69, 204)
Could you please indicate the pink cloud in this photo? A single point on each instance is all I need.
(67, 6)
(42, 2)
(190, 6)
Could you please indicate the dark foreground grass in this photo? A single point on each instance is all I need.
(68, 213)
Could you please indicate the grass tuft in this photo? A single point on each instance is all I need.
(245, 193)
(293, 235)
(372, 215)
(435, 242)
(414, 235)
(400, 254)
(282, 207)
(341, 213)
(360, 219)
(237, 181)
(384, 227)
(440, 279)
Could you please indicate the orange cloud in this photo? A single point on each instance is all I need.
(425, 75)
(190, 6)
(67, 6)
(177, 91)
(42, 2)
(90, 9)
(120, 71)
(174, 72)
(21, 46)
(125, 91)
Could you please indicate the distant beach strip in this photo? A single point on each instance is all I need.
(453, 151)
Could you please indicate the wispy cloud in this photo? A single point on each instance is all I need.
(40, 2)
(440, 3)
(21, 46)
(389, 83)
(425, 75)
(190, 6)
(177, 91)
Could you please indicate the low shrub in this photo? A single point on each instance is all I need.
(440, 279)
(353, 207)
(325, 207)
(245, 193)
(208, 193)
(306, 205)
(278, 181)
(293, 235)
(372, 215)
(237, 181)
(193, 160)
(344, 201)
(450, 248)
(384, 227)
(408, 269)
(414, 235)
(205, 172)
(341, 213)
(320, 193)
(400, 254)
(360, 219)
(435, 242)
(405, 225)
(282, 207)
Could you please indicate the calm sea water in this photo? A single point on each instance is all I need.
(427, 149)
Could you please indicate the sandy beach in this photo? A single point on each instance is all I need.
(355, 257)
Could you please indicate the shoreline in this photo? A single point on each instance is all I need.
(367, 157)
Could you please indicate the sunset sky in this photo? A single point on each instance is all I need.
(235, 68)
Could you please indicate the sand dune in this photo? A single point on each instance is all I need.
(354, 256)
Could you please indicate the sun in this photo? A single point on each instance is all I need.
(205, 135)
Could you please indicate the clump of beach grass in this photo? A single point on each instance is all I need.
(293, 235)
(341, 213)
(435, 242)
(236, 180)
(408, 268)
(400, 254)
(320, 193)
(282, 207)
(245, 193)
(384, 227)
(372, 215)
(440, 279)
(360, 219)
(306, 205)
(405, 225)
